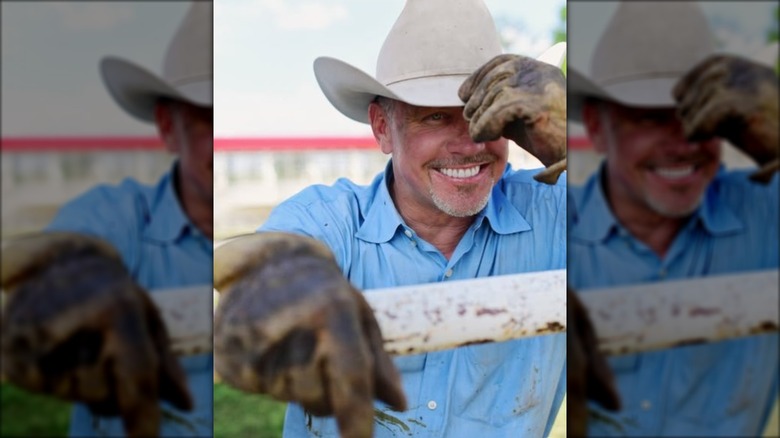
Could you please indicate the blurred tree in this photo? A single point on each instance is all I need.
(773, 34)
(559, 33)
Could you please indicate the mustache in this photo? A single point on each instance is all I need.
(482, 157)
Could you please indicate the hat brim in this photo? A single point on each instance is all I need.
(350, 90)
(137, 90)
(644, 92)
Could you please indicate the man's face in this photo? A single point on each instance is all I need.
(187, 131)
(651, 168)
(437, 167)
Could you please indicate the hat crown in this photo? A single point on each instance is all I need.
(188, 58)
(651, 40)
(437, 38)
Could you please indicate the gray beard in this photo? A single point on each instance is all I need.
(442, 205)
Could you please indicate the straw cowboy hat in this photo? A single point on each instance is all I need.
(432, 48)
(186, 74)
(645, 49)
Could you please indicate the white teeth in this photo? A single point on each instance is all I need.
(674, 172)
(460, 173)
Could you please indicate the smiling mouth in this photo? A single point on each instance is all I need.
(677, 172)
(460, 173)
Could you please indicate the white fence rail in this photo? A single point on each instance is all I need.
(436, 316)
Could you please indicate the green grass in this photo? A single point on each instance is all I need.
(27, 414)
(237, 414)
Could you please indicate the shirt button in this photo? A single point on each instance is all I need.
(431, 405)
(646, 405)
(414, 243)
(448, 274)
(408, 233)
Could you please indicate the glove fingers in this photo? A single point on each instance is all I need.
(702, 122)
(700, 104)
(136, 371)
(387, 380)
(173, 382)
(692, 77)
(490, 83)
(490, 121)
(59, 356)
(349, 386)
(471, 84)
(289, 371)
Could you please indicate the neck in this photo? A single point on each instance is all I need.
(199, 210)
(439, 229)
(649, 227)
(657, 233)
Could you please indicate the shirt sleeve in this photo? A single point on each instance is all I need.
(108, 212)
(329, 219)
(560, 394)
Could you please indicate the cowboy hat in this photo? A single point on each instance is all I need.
(644, 50)
(186, 74)
(431, 49)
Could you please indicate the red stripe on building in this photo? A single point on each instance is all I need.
(293, 143)
(580, 143)
(75, 144)
(68, 144)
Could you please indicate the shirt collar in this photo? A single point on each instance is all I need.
(595, 219)
(382, 219)
(165, 218)
(717, 218)
(502, 215)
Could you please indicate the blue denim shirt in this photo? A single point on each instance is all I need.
(512, 388)
(162, 249)
(719, 389)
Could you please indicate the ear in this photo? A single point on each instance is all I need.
(380, 125)
(164, 118)
(592, 119)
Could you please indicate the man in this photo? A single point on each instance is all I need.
(446, 208)
(83, 283)
(661, 207)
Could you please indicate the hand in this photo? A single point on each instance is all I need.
(589, 376)
(76, 326)
(290, 325)
(732, 98)
(524, 100)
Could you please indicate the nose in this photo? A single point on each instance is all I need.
(461, 142)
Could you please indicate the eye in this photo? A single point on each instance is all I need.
(435, 117)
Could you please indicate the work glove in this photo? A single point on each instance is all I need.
(588, 374)
(524, 100)
(735, 99)
(289, 324)
(76, 326)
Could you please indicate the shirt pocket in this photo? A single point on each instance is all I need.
(489, 388)
(410, 364)
(627, 364)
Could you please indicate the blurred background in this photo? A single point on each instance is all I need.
(62, 133)
(276, 133)
(747, 28)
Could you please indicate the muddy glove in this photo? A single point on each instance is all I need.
(524, 100)
(589, 376)
(290, 325)
(76, 326)
(732, 98)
